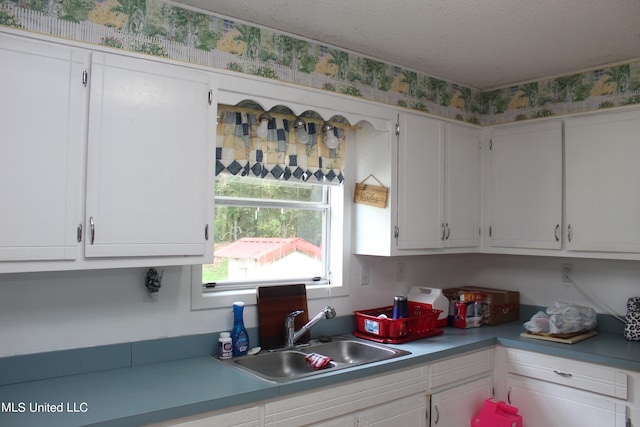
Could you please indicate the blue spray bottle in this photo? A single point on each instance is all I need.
(239, 335)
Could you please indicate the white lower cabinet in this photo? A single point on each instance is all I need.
(245, 417)
(460, 385)
(409, 411)
(544, 404)
(337, 405)
(457, 406)
(555, 391)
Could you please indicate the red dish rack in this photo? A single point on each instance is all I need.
(421, 323)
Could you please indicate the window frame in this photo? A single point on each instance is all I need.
(336, 253)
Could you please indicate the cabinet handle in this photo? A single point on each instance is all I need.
(555, 233)
(509, 396)
(569, 233)
(437, 415)
(79, 233)
(210, 97)
(448, 231)
(563, 374)
(206, 232)
(443, 231)
(92, 227)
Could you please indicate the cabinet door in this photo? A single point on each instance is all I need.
(602, 181)
(526, 186)
(248, 417)
(544, 404)
(150, 159)
(41, 134)
(462, 195)
(457, 406)
(409, 411)
(420, 182)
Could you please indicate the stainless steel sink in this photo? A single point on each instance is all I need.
(289, 364)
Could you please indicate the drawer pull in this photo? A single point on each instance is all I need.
(563, 374)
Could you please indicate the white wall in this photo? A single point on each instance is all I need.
(50, 311)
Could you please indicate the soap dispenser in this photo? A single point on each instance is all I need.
(239, 335)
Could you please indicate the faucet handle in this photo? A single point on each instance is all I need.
(288, 323)
(294, 314)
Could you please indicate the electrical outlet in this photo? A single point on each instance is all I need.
(401, 272)
(364, 274)
(567, 272)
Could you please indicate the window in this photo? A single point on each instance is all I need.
(228, 26)
(271, 232)
(279, 207)
(268, 231)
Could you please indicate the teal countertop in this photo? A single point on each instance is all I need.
(161, 391)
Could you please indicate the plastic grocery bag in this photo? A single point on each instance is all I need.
(566, 318)
(538, 323)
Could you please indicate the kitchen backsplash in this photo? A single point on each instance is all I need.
(164, 29)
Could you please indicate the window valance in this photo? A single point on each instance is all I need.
(277, 153)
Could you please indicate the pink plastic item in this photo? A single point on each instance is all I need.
(497, 414)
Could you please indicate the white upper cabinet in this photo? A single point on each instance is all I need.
(525, 185)
(420, 183)
(433, 176)
(438, 184)
(106, 160)
(41, 150)
(603, 182)
(150, 159)
(462, 181)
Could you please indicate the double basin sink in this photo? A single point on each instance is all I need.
(290, 364)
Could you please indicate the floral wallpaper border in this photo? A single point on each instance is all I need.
(161, 28)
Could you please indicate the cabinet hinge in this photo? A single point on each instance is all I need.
(85, 78)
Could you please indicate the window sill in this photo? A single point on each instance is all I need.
(225, 298)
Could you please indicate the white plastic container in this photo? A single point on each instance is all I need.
(434, 297)
(225, 346)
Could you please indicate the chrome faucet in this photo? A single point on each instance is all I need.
(290, 334)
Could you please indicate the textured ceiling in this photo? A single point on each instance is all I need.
(478, 43)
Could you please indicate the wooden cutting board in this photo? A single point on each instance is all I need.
(562, 338)
(274, 305)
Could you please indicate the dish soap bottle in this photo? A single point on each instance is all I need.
(239, 335)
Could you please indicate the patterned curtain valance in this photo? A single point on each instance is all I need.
(240, 151)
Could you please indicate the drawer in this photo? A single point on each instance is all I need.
(459, 368)
(581, 375)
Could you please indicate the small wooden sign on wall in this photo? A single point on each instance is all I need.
(371, 194)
